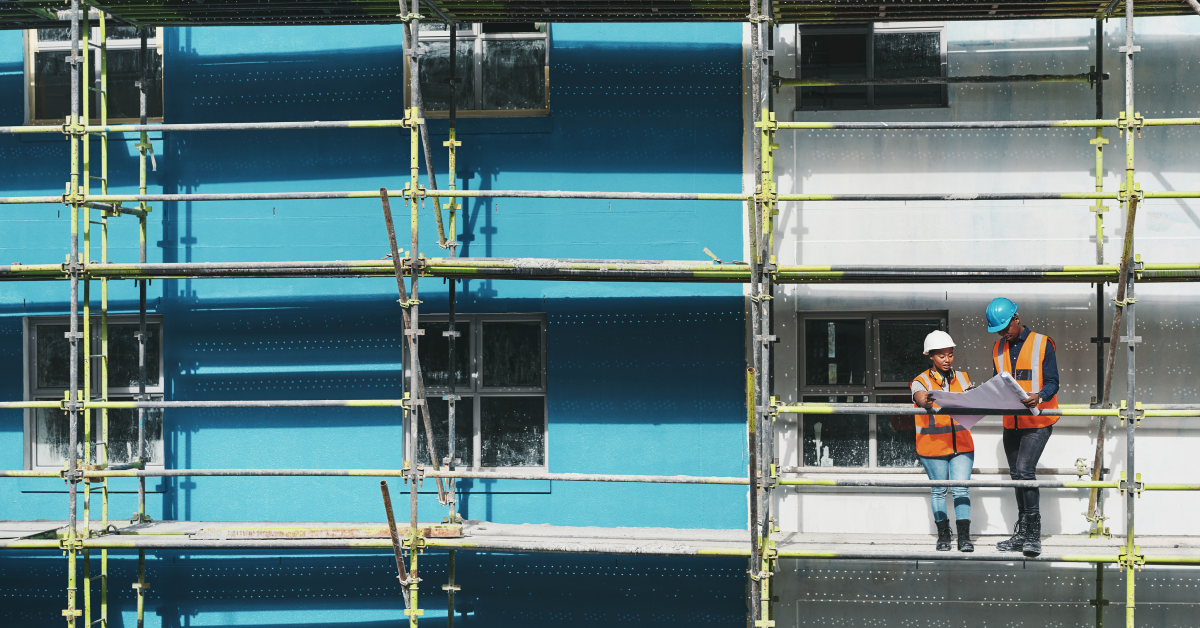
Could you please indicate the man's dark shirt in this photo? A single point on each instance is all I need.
(1049, 364)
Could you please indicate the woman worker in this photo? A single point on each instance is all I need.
(945, 447)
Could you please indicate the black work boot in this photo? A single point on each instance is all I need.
(964, 535)
(1033, 535)
(1016, 543)
(944, 536)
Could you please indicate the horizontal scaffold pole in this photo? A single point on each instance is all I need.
(567, 194)
(581, 477)
(1150, 411)
(598, 546)
(287, 196)
(386, 124)
(1086, 77)
(605, 270)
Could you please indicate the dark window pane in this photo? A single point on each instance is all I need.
(902, 55)
(512, 354)
(513, 27)
(836, 440)
(514, 75)
(513, 431)
(896, 436)
(56, 34)
(439, 416)
(835, 352)
(435, 354)
(129, 32)
(435, 71)
(435, 27)
(53, 431)
(122, 433)
(124, 98)
(54, 357)
(841, 56)
(901, 346)
(52, 86)
(123, 354)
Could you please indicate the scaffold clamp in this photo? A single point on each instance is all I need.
(1133, 558)
(72, 613)
(1136, 485)
(764, 623)
(414, 611)
(770, 124)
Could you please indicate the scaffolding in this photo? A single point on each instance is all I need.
(765, 544)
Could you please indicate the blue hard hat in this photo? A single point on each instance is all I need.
(1000, 313)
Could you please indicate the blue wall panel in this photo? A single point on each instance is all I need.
(643, 378)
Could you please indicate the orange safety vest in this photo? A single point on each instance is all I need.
(1028, 374)
(945, 437)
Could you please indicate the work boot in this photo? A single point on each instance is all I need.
(964, 535)
(1033, 535)
(1017, 542)
(944, 536)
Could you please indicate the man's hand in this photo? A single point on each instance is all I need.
(1032, 400)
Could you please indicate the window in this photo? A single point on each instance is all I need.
(872, 51)
(48, 354)
(501, 69)
(500, 374)
(48, 75)
(862, 358)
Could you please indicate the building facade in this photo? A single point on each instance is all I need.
(590, 377)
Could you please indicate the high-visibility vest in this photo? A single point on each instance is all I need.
(945, 437)
(1028, 374)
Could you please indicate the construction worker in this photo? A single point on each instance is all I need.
(946, 449)
(1029, 358)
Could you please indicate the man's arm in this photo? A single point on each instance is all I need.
(1049, 373)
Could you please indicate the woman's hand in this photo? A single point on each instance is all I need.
(923, 399)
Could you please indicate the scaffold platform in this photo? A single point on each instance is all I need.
(484, 536)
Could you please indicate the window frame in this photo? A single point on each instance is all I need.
(33, 46)
(115, 393)
(477, 390)
(477, 36)
(871, 320)
(870, 30)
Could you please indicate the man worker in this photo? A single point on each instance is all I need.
(1029, 358)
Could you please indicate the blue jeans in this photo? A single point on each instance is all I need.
(956, 468)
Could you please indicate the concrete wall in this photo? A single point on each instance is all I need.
(642, 378)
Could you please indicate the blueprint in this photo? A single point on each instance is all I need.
(1001, 392)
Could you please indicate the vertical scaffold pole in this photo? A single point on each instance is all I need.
(1095, 513)
(86, 175)
(73, 271)
(143, 149)
(413, 329)
(452, 334)
(754, 222)
(763, 342)
(1130, 556)
(103, 449)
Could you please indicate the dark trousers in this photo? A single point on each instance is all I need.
(1023, 448)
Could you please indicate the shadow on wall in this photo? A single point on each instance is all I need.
(359, 590)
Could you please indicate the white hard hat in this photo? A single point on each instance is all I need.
(937, 340)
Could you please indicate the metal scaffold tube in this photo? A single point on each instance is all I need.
(1088, 77)
(1131, 557)
(606, 270)
(73, 123)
